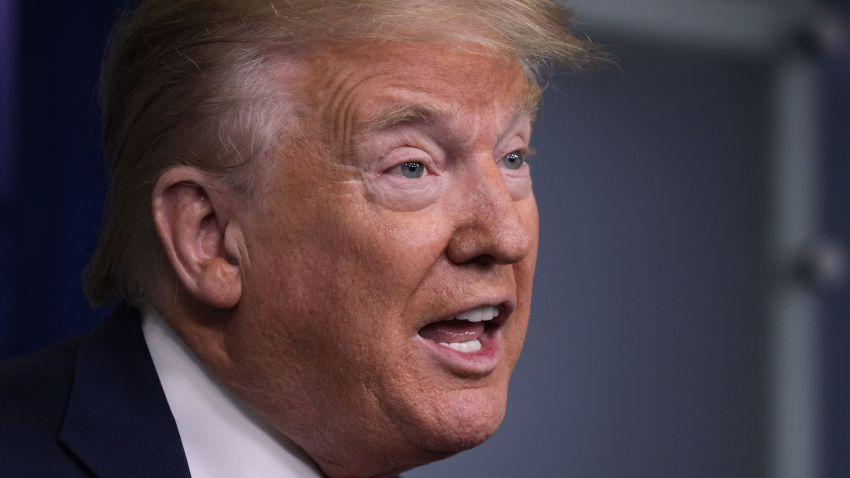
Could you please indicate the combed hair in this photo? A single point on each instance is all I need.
(188, 82)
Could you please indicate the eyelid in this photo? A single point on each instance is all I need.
(527, 153)
(393, 166)
(403, 142)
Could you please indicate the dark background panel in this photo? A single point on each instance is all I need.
(51, 219)
(8, 57)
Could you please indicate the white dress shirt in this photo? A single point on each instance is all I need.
(222, 438)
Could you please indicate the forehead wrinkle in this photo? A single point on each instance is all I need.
(499, 119)
(346, 117)
(340, 107)
(438, 115)
(419, 108)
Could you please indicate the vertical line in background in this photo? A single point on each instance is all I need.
(794, 435)
(8, 60)
(8, 127)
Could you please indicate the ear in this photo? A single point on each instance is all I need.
(202, 242)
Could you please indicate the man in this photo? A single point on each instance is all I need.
(322, 214)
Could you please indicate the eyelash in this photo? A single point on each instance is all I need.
(525, 153)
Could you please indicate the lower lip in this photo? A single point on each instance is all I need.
(476, 364)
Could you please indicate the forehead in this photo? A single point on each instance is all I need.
(378, 84)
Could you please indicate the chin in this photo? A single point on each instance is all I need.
(428, 434)
(461, 421)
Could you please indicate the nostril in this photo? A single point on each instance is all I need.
(484, 245)
(484, 261)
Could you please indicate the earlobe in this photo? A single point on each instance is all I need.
(219, 283)
(201, 242)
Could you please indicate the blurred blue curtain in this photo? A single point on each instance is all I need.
(51, 173)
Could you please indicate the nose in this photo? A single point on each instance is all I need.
(494, 230)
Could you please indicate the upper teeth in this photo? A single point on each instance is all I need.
(484, 313)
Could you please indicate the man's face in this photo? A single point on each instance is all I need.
(401, 202)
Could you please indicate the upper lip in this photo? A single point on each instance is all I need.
(505, 304)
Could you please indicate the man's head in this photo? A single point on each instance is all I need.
(317, 194)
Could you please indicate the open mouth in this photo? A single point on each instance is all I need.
(469, 332)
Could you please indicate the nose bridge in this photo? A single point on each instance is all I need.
(492, 228)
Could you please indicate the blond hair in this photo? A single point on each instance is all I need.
(186, 82)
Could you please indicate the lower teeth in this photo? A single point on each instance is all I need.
(465, 347)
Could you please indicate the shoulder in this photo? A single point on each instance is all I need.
(92, 405)
(34, 391)
(34, 385)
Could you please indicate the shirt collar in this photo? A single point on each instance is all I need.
(221, 437)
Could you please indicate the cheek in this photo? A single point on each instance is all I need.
(523, 272)
(351, 267)
(392, 256)
(530, 217)
(518, 183)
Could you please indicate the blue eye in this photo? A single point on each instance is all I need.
(514, 160)
(412, 170)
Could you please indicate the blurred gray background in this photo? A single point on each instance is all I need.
(690, 315)
(683, 192)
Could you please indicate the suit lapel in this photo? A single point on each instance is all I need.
(118, 422)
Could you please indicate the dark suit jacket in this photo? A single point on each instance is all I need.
(92, 406)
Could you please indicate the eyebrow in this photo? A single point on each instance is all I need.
(427, 114)
(411, 114)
